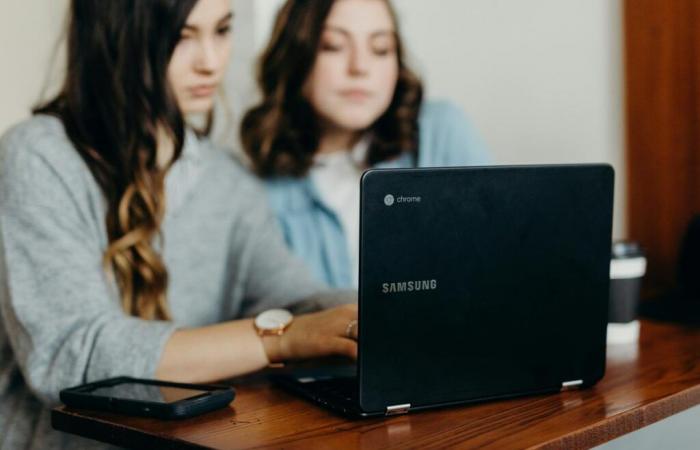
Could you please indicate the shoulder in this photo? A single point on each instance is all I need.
(282, 194)
(433, 111)
(39, 137)
(233, 185)
(37, 154)
(441, 116)
(447, 136)
(231, 170)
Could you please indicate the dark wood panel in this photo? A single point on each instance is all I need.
(662, 58)
(642, 385)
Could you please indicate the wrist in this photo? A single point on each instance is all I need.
(271, 326)
(272, 347)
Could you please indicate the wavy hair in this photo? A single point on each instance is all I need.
(280, 135)
(114, 102)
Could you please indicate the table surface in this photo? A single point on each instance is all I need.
(644, 383)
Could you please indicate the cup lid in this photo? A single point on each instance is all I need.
(626, 249)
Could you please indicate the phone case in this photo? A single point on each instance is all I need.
(218, 396)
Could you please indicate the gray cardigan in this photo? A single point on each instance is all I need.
(62, 324)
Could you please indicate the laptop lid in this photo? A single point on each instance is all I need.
(482, 282)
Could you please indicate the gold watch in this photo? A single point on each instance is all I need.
(273, 322)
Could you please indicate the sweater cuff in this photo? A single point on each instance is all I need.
(129, 347)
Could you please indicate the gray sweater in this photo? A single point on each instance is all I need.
(62, 324)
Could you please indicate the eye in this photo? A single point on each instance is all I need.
(383, 46)
(331, 47)
(224, 30)
(381, 51)
(332, 41)
(185, 35)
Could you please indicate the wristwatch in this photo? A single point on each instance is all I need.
(273, 322)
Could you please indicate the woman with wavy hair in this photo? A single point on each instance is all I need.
(129, 244)
(338, 98)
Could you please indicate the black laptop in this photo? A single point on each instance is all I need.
(476, 284)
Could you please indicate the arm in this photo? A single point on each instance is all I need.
(233, 348)
(271, 278)
(63, 316)
(271, 275)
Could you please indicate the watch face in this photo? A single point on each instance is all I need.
(273, 319)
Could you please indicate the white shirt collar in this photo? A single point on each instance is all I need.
(357, 154)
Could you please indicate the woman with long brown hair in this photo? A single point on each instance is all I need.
(129, 245)
(338, 98)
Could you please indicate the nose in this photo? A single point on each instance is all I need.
(207, 60)
(359, 61)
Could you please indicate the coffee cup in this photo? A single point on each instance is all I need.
(627, 269)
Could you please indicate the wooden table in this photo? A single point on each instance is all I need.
(644, 383)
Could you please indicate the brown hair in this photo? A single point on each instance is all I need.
(281, 135)
(114, 100)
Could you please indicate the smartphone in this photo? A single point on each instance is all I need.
(150, 398)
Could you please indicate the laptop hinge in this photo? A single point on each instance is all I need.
(397, 409)
(573, 384)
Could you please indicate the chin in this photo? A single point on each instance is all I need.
(355, 122)
(198, 106)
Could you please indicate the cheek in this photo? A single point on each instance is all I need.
(224, 51)
(177, 70)
(387, 77)
(324, 78)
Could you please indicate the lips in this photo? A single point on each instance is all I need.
(202, 90)
(355, 94)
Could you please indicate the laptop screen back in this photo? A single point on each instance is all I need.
(479, 283)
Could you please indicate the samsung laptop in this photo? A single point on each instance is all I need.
(474, 284)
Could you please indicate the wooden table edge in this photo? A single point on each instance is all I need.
(584, 438)
(626, 422)
(96, 429)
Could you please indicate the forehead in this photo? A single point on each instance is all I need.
(206, 12)
(360, 16)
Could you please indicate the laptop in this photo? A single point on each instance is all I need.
(476, 283)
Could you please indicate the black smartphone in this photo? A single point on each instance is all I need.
(150, 398)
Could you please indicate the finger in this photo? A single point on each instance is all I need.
(345, 347)
(354, 330)
(350, 308)
(347, 328)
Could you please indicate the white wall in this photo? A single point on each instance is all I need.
(541, 79)
(29, 32)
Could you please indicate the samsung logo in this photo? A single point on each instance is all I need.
(409, 286)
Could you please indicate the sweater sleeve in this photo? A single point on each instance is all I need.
(59, 309)
(273, 276)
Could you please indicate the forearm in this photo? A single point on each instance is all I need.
(217, 352)
(211, 353)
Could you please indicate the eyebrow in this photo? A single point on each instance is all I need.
(389, 32)
(226, 18)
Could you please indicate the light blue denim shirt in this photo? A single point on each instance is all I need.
(315, 233)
